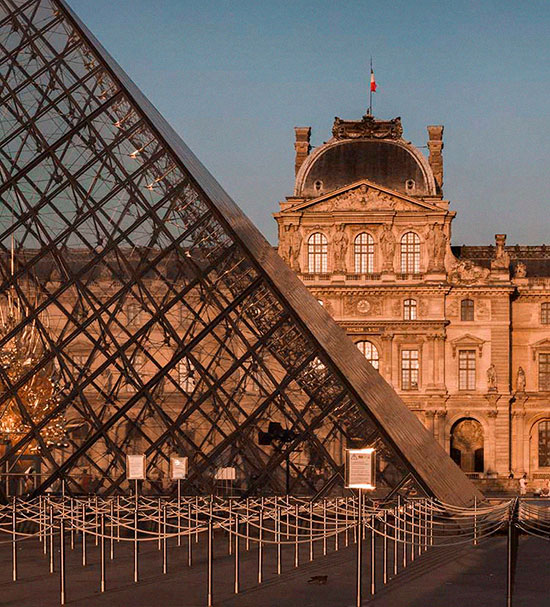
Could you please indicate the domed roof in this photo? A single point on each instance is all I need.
(366, 149)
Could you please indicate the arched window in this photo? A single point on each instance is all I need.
(317, 253)
(409, 309)
(410, 253)
(545, 313)
(544, 443)
(364, 253)
(370, 352)
(467, 310)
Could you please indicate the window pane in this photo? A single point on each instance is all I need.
(409, 309)
(466, 370)
(410, 253)
(467, 310)
(364, 254)
(544, 372)
(370, 352)
(544, 443)
(409, 369)
(317, 253)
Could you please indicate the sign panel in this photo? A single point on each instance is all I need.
(135, 467)
(178, 468)
(361, 468)
(225, 474)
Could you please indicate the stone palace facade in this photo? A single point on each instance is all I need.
(462, 333)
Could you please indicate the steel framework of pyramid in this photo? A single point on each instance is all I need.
(165, 323)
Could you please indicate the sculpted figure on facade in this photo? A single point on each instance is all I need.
(387, 246)
(520, 380)
(437, 246)
(340, 242)
(467, 272)
(501, 260)
(492, 378)
(295, 247)
(520, 271)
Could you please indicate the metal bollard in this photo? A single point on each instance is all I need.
(189, 537)
(237, 570)
(385, 547)
(296, 530)
(62, 589)
(278, 537)
(102, 551)
(210, 591)
(164, 542)
(83, 534)
(111, 529)
(260, 545)
(14, 538)
(359, 566)
(52, 562)
(136, 544)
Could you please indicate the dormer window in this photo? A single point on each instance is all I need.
(410, 186)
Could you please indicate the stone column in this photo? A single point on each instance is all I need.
(440, 427)
(520, 442)
(387, 356)
(491, 442)
(430, 383)
(440, 361)
(430, 415)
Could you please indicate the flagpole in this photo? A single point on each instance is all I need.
(370, 89)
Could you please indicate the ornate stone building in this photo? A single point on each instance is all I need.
(462, 333)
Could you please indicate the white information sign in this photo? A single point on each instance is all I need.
(178, 468)
(361, 468)
(135, 467)
(225, 474)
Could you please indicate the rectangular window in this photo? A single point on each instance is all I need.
(545, 313)
(132, 314)
(138, 364)
(186, 375)
(409, 369)
(544, 372)
(466, 370)
(544, 444)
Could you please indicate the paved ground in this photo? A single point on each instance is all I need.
(442, 577)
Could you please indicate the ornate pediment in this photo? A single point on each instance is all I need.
(467, 342)
(364, 196)
(543, 344)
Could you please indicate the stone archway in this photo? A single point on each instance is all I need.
(467, 444)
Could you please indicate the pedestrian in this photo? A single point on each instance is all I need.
(523, 485)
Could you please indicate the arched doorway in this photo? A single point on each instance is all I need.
(467, 445)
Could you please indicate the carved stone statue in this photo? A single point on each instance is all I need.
(501, 260)
(437, 246)
(387, 246)
(520, 271)
(467, 272)
(295, 248)
(520, 380)
(339, 243)
(492, 378)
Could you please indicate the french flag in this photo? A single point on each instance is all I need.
(372, 81)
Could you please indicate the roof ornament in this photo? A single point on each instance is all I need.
(367, 128)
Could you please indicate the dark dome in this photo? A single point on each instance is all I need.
(386, 163)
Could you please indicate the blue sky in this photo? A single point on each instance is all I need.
(234, 78)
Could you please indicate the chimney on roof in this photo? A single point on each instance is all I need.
(302, 147)
(435, 146)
